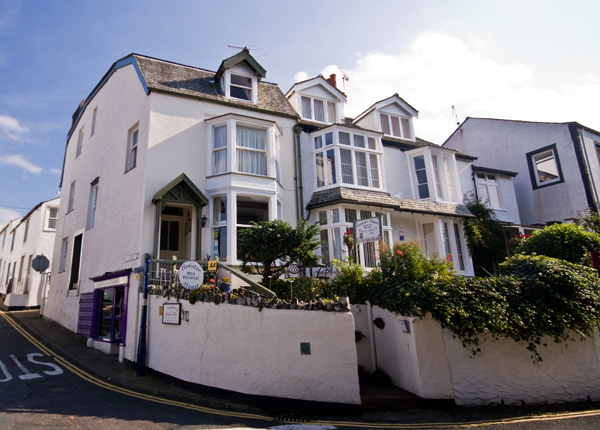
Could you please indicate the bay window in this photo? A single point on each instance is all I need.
(445, 238)
(352, 159)
(243, 145)
(434, 175)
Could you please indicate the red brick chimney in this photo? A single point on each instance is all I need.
(332, 80)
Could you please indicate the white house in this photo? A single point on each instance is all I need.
(555, 162)
(22, 240)
(371, 166)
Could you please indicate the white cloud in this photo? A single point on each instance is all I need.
(20, 161)
(11, 127)
(440, 70)
(7, 215)
(300, 76)
(55, 171)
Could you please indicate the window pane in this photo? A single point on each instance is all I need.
(220, 136)
(337, 243)
(320, 170)
(450, 195)
(240, 93)
(395, 126)
(318, 142)
(406, 129)
(374, 159)
(365, 214)
(323, 217)
(384, 220)
(546, 166)
(359, 141)
(319, 111)
(219, 209)
(329, 139)
(361, 169)
(346, 160)
(447, 246)
(324, 247)
(436, 173)
(483, 194)
(369, 255)
(220, 161)
(459, 252)
(248, 137)
(344, 138)
(252, 209)
(106, 308)
(241, 80)
(421, 174)
(429, 239)
(220, 243)
(372, 143)
(331, 167)
(385, 124)
(306, 108)
(494, 196)
(335, 215)
(331, 116)
(251, 162)
(350, 215)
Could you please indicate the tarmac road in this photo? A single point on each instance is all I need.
(41, 390)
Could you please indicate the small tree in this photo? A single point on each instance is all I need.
(484, 237)
(589, 220)
(276, 245)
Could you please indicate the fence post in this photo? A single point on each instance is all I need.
(140, 362)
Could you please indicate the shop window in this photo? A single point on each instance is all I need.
(111, 313)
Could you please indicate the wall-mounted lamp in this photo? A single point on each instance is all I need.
(204, 219)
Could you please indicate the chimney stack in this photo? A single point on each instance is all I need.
(332, 80)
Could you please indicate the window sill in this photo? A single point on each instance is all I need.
(129, 170)
(253, 175)
(69, 211)
(536, 186)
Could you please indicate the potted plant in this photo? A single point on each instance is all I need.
(225, 285)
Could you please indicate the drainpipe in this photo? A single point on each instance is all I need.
(298, 176)
(140, 362)
(371, 336)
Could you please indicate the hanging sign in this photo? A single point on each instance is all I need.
(190, 275)
(367, 230)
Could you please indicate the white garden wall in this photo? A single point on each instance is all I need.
(504, 372)
(241, 349)
(433, 364)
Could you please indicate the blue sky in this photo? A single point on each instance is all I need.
(527, 60)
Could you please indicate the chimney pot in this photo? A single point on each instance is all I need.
(332, 80)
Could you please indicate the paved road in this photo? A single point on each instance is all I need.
(40, 392)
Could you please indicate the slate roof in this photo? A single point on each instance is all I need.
(191, 81)
(384, 200)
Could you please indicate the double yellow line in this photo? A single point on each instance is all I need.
(100, 383)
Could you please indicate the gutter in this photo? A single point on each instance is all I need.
(298, 177)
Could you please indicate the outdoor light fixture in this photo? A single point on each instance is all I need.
(204, 219)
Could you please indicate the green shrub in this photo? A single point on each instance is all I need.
(535, 296)
(406, 262)
(564, 241)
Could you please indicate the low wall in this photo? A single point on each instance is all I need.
(504, 372)
(13, 300)
(433, 364)
(242, 349)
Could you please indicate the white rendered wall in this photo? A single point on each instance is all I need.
(122, 103)
(241, 349)
(363, 348)
(415, 361)
(397, 173)
(504, 144)
(504, 371)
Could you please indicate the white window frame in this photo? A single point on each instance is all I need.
(390, 125)
(71, 197)
(231, 122)
(312, 117)
(242, 87)
(226, 84)
(94, 114)
(452, 242)
(92, 204)
(48, 218)
(26, 232)
(64, 250)
(488, 183)
(337, 147)
(133, 137)
(442, 178)
(79, 143)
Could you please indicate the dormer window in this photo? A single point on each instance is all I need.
(318, 110)
(241, 87)
(395, 126)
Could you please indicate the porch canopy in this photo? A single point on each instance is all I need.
(180, 190)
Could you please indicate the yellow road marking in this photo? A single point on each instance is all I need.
(98, 382)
